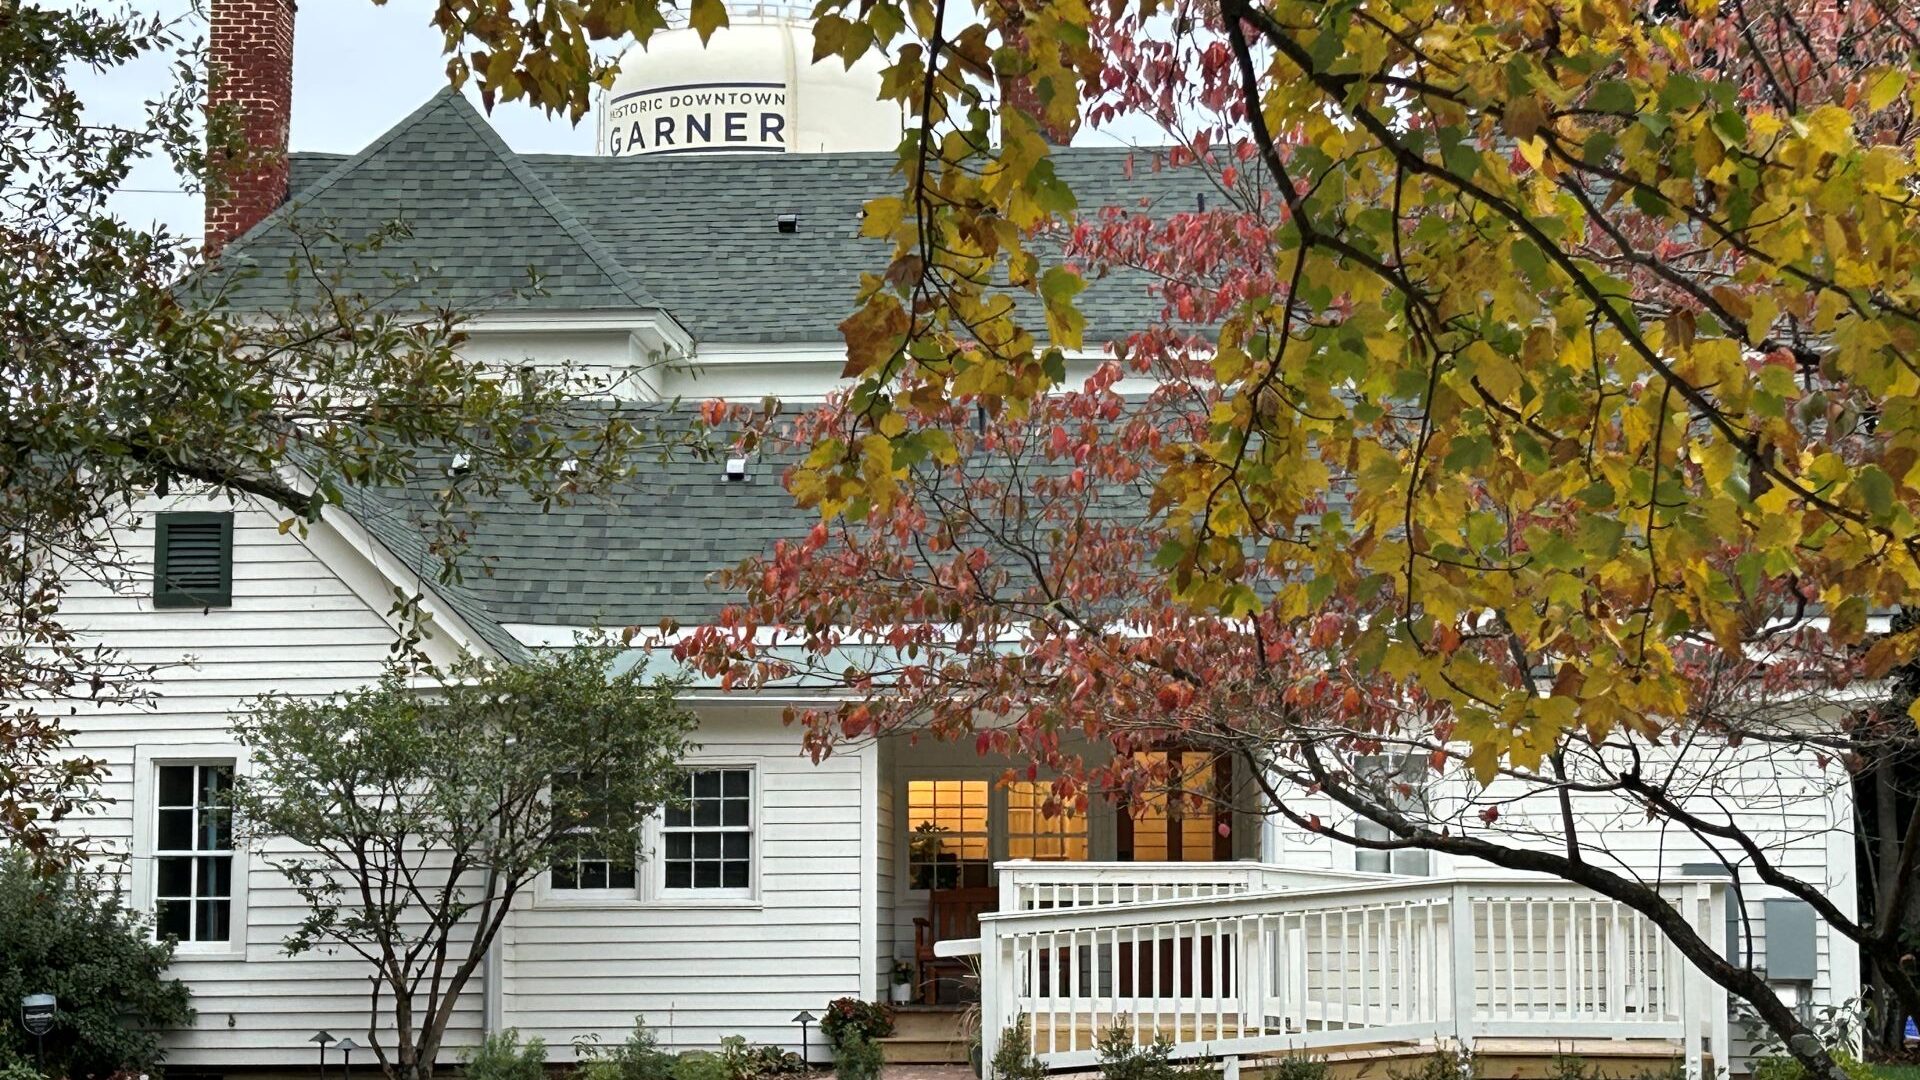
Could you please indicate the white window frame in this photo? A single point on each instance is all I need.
(656, 830)
(996, 833)
(1405, 861)
(145, 875)
(546, 887)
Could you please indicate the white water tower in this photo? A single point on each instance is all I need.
(752, 89)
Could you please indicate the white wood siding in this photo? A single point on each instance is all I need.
(295, 626)
(700, 972)
(1800, 814)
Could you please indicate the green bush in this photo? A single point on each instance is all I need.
(844, 1015)
(1439, 1065)
(501, 1057)
(745, 1061)
(70, 935)
(1013, 1059)
(639, 1057)
(699, 1065)
(857, 1057)
(1782, 1067)
(1121, 1058)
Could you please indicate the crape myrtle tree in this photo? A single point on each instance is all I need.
(125, 376)
(409, 814)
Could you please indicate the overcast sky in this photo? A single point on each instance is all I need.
(357, 70)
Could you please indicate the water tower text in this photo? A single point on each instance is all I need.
(699, 118)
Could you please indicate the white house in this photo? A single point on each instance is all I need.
(723, 275)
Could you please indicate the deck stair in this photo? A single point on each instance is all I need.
(928, 1035)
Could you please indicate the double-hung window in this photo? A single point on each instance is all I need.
(1398, 780)
(706, 837)
(193, 852)
(590, 867)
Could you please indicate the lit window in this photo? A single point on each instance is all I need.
(708, 838)
(948, 840)
(589, 867)
(1178, 820)
(1031, 834)
(193, 853)
(1396, 778)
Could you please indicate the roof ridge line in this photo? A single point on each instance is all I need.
(332, 176)
(562, 214)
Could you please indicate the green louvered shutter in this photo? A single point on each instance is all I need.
(193, 560)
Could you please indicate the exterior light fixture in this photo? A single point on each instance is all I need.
(36, 1015)
(805, 1018)
(346, 1048)
(321, 1039)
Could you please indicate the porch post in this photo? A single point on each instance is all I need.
(1694, 1000)
(996, 986)
(1716, 994)
(1460, 927)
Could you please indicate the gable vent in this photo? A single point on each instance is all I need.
(193, 560)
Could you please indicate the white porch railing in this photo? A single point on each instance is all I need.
(1238, 963)
(1026, 885)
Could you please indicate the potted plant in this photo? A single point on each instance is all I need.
(902, 982)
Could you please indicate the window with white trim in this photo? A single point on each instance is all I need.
(581, 868)
(949, 834)
(706, 840)
(193, 852)
(1399, 777)
(1031, 834)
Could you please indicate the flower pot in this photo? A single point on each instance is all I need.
(973, 1059)
(902, 993)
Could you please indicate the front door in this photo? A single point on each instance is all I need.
(1187, 819)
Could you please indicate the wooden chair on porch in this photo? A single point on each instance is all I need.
(951, 913)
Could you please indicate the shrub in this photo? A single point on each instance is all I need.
(1782, 1067)
(501, 1057)
(1439, 1065)
(845, 1015)
(70, 935)
(699, 1065)
(637, 1058)
(857, 1057)
(1121, 1058)
(745, 1061)
(1013, 1059)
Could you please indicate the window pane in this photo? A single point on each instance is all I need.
(564, 875)
(620, 877)
(216, 876)
(171, 919)
(214, 782)
(706, 812)
(213, 920)
(736, 875)
(216, 830)
(735, 813)
(736, 786)
(176, 831)
(679, 845)
(706, 845)
(173, 877)
(706, 875)
(706, 783)
(678, 817)
(735, 846)
(176, 785)
(593, 875)
(679, 875)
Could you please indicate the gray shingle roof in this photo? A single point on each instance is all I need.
(696, 236)
(478, 222)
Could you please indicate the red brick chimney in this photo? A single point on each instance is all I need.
(250, 69)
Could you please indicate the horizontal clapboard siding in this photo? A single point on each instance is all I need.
(294, 625)
(701, 973)
(1798, 812)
